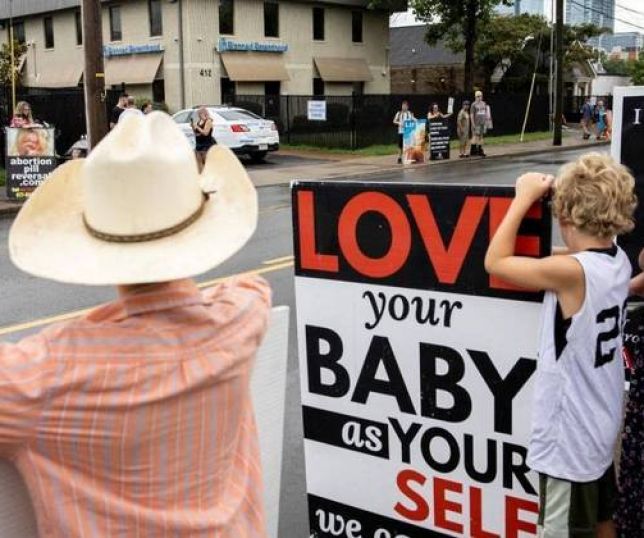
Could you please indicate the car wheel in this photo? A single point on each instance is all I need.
(258, 156)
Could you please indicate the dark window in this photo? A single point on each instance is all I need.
(356, 26)
(79, 27)
(19, 32)
(226, 17)
(358, 88)
(48, 24)
(158, 91)
(156, 17)
(271, 19)
(116, 33)
(272, 88)
(227, 90)
(318, 23)
(318, 86)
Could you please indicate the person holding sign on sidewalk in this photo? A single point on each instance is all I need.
(580, 375)
(403, 115)
(464, 129)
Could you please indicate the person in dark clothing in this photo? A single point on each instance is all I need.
(203, 135)
(118, 109)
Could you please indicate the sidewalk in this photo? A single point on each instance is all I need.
(352, 167)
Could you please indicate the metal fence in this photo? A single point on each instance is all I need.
(355, 121)
(364, 120)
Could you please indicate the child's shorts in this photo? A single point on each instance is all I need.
(573, 509)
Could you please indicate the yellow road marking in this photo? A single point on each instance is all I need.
(278, 260)
(70, 315)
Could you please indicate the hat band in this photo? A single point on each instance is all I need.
(150, 236)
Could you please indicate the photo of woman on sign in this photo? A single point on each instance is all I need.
(30, 142)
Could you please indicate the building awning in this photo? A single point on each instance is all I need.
(254, 66)
(56, 76)
(343, 69)
(132, 69)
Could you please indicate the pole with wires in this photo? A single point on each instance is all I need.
(534, 76)
(556, 140)
(12, 54)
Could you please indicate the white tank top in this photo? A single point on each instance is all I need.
(577, 411)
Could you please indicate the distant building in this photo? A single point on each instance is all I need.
(532, 7)
(417, 68)
(626, 45)
(598, 12)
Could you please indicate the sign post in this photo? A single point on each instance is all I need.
(30, 158)
(416, 366)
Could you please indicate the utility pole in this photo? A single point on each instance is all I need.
(12, 59)
(556, 141)
(94, 74)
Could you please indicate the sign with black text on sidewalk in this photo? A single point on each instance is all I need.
(416, 366)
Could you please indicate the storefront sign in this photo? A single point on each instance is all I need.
(124, 50)
(228, 45)
(416, 366)
(414, 141)
(316, 110)
(30, 159)
(626, 147)
(438, 139)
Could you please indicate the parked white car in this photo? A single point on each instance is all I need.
(242, 131)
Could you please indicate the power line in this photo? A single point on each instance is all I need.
(630, 9)
(594, 10)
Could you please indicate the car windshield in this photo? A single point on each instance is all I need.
(182, 117)
(236, 115)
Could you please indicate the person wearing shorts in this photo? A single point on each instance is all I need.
(481, 122)
(403, 115)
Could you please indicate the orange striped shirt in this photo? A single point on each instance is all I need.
(136, 419)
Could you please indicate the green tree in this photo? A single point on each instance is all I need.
(636, 70)
(6, 65)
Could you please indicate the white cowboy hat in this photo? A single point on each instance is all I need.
(136, 210)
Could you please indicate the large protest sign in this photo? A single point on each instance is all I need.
(414, 141)
(30, 158)
(416, 366)
(627, 147)
(438, 139)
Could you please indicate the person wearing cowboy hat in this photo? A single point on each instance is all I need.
(135, 419)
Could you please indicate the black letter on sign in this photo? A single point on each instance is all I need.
(503, 390)
(431, 382)
(316, 361)
(520, 470)
(426, 449)
(489, 474)
(406, 437)
(380, 352)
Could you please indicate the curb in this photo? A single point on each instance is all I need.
(9, 209)
(384, 170)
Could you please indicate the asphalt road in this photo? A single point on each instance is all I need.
(24, 299)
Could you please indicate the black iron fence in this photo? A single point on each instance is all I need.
(355, 121)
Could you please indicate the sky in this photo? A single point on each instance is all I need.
(629, 20)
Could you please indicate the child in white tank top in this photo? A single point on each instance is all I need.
(580, 376)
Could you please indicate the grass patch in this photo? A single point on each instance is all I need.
(2, 177)
(392, 149)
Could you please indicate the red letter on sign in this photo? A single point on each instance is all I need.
(309, 258)
(512, 522)
(525, 245)
(447, 262)
(476, 515)
(421, 511)
(442, 505)
(400, 234)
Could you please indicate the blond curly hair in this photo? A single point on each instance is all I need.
(595, 194)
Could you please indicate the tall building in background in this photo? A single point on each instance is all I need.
(533, 7)
(599, 12)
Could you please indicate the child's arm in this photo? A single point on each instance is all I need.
(556, 273)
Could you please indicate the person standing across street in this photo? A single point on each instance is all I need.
(464, 129)
(136, 419)
(22, 116)
(403, 115)
(587, 118)
(118, 110)
(579, 386)
(481, 117)
(130, 109)
(435, 113)
(600, 118)
(204, 139)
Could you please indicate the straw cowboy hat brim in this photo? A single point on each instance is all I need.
(51, 239)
